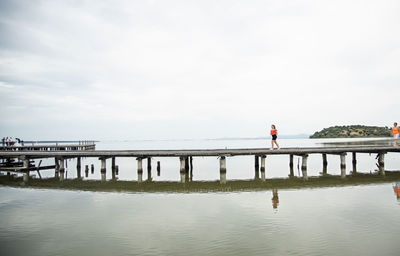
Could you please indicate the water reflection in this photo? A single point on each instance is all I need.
(275, 199)
(396, 189)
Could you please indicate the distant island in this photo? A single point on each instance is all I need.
(352, 131)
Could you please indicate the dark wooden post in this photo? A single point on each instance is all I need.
(86, 171)
(291, 166)
(354, 162)
(78, 167)
(113, 169)
(256, 168)
(324, 164)
(57, 169)
(92, 168)
(149, 169)
(158, 168)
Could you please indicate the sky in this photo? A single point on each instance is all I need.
(195, 69)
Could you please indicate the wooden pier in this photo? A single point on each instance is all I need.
(186, 156)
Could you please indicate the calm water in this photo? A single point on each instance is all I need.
(359, 220)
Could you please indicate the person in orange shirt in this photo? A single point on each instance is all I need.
(274, 134)
(395, 132)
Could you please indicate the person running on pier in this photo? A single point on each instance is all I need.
(395, 132)
(274, 134)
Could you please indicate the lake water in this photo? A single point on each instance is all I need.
(355, 220)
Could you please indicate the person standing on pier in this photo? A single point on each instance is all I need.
(274, 134)
(395, 132)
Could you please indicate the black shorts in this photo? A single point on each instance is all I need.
(274, 137)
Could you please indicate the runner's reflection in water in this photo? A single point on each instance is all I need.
(396, 189)
(275, 199)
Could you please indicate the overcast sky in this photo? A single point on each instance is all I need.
(195, 69)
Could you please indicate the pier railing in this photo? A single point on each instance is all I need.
(80, 146)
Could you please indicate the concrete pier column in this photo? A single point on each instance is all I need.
(324, 164)
(149, 169)
(25, 176)
(263, 167)
(256, 168)
(113, 168)
(62, 169)
(381, 163)
(343, 165)
(182, 169)
(86, 171)
(291, 174)
(57, 169)
(222, 170)
(304, 166)
(139, 169)
(354, 162)
(78, 167)
(103, 169)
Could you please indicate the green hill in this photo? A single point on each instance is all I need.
(352, 131)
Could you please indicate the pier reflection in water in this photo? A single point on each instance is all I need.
(57, 222)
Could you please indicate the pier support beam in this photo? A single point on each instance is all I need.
(256, 168)
(25, 176)
(263, 167)
(139, 169)
(343, 165)
(324, 164)
(182, 169)
(62, 169)
(149, 169)
(304, 166)
(78, 167)
(291, 174)
(381, 163)
(113, 168)
(103, 169)
(222, 170)
(86, 171)
(354, 162)
(57, 169)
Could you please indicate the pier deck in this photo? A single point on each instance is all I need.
(200, 152)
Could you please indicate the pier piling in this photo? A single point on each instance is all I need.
(304, 166)
(324, 164)
(381, 163)
(263, 167)
(92, 168)
(256, 168)
(182, 169)
(113, 168)
(291, 174)
(103, 169)
(139, 169)
(86, 171)
(25, 177)
(354, 162)
(343, 165)
(62, 169)
(222, 170)
(149, 169)
(158, 168)
(56, 169)
(78, 167)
